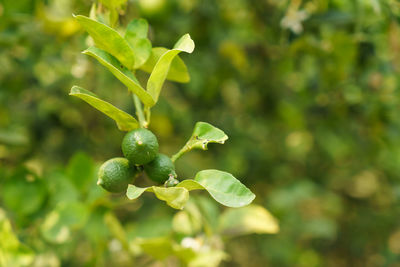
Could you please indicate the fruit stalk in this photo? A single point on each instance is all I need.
(139, 111)
(183, 150)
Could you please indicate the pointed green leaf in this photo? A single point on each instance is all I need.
(134, 192)
(160, 71)
(203, 134)
(177, 71)
(109, 40)
(121, 73)
(175, 197)
(136, 35)
(222, 186)
(125, 122)
(248, 220)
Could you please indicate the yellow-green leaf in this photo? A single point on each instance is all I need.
(160, 71)
(177, 72)
(136, 35)
(175, 197)
(125, 122)
(109, 40)
(248, 220)
(121, 73)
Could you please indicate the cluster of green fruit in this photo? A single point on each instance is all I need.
(140, 148)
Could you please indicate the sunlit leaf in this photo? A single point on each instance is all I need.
(160, 71)
(177, 71)
(222, 186)
(173, 196)
(203, 134)
(136, 35)
(159, 248)
(125, 122)
(109, 40)
(12, 252)
(121, 73)
(248, 220)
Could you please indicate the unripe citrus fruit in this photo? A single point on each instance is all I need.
(115, 175)
(140, 146)
(160, 169)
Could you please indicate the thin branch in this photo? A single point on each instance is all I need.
(139, 111)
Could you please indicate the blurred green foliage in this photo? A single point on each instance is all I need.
(308, 92)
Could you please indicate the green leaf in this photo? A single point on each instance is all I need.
(81, 172)
(203, 134)
(175, 197)
(121, 73)
(22, 196)
(160, 71)
(136, 35)
(125, 122)
(177, 71)
(66, 217)
(159, 248)
(222, 186)
(248, 220)
(109, 40)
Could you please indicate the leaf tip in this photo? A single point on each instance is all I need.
(73, 90)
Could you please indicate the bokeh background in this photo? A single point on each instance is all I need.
(308, 92)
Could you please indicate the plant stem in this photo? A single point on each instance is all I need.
(183, 150)
(139, 111)
(147, 112)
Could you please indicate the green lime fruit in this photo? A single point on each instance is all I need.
(160, 169)
(115, 174)
(140, 146)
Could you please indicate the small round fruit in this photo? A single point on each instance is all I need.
(160, 169)
(115, 174)
(140, 146)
